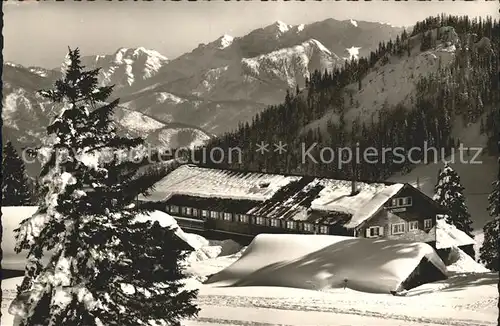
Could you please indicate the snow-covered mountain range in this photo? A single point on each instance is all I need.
(126, 66)
(214, 87)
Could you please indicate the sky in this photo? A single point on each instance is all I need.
(39, 33)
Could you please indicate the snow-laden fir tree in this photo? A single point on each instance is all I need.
(448, 192)
(16, 189)
(104, 267)
(489, 251)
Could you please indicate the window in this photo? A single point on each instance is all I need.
(228, 216)
(213, 214)
(204, 213)
(195, 212)
(174, 209)
(427, 223)
(167, 209)
(323, 229)
(398, 228)
(374, 231)
(274, 222)
(259, 220)
(308, 227)
(242, 218)
(291, 224)
(188, 211)
(412, 225)
(401, 202)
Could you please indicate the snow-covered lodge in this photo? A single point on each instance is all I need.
(245, 204)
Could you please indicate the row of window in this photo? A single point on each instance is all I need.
(243, 218)
(401, 202)
(397, 228)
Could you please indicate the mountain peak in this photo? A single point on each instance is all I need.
(224, 41)
(319, 45)
(129, 53)
(281, 26)
(12, 64)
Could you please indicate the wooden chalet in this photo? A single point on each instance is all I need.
(243, 204)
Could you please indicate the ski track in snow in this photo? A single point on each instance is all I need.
(291, 316)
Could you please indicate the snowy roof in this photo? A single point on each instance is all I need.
(369, 199)
(281, 196)
(167, 221)
(448, 236)
(326, 261)
(203, 182)
(290, 202)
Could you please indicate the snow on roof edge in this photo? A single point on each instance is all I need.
(335, 196)
(448, 236)
(374, 205)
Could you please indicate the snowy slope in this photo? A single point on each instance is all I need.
(26, 115)
(336, 35)
(232, 78)
(229, 80)
(218, 98)
(263, 78)
(395, 81)
(126, 66)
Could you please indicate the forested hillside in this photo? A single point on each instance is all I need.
(462, 89)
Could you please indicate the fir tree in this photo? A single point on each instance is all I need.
(449, 194)
(105, 266)
(489, 250)
(15, 184)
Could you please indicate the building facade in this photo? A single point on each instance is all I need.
(245, 204)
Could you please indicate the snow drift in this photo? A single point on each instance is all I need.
(464, 263)
(324, 261)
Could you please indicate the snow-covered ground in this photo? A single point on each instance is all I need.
(323, 262)
(467, 297)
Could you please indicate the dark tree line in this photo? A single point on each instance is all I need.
(17, 188)
(463, 89)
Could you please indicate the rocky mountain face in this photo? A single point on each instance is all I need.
(126, 66)
(227, 81)
(182, 102)
(26, 114)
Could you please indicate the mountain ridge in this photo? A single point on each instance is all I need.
(213, 88)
